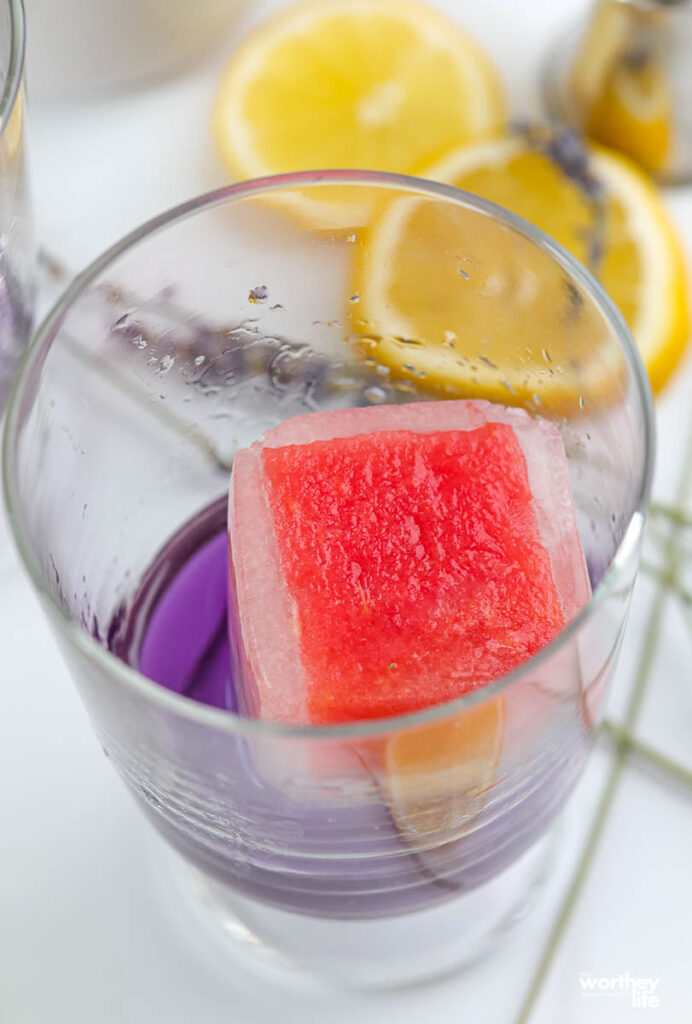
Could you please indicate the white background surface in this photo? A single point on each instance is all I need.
(88, 934)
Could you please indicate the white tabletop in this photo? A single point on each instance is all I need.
(86, 933)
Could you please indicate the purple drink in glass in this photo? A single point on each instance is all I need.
(152, 371)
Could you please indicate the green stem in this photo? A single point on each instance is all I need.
(605, 803)
(650, 755)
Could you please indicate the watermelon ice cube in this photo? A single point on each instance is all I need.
(388, 558)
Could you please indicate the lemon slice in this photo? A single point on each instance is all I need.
(438, 776)
(457, 303)
(378, 84)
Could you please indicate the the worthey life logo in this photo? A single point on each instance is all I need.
(642, 992)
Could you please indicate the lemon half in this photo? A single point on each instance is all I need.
(519, 329)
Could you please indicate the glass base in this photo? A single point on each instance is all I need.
(374, 953)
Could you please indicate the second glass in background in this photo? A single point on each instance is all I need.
(16, 242)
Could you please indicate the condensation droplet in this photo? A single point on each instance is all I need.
(374, 394)
(408, 342)
(165, 365)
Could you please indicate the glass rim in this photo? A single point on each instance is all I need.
(15, 68)
(229, 721)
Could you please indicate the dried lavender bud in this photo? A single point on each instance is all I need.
(637, 59)
(565, 148)
(258, 294)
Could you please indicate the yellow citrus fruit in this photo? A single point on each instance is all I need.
(633, 114)
(13, 128)
(438, 775)
(621, 94)
(458, 304)
(378, 84)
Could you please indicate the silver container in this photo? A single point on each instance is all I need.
(625, 78)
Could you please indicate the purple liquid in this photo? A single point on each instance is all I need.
(174, 630)
(15, 327)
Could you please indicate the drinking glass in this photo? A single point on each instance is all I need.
(16, 255)
(375, 852)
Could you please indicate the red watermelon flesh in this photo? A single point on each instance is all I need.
(390, 558)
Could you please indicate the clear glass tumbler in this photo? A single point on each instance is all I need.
(382, 851)
(16, 250)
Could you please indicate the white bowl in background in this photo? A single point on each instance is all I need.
(77, 47)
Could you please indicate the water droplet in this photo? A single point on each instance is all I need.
(449, 339)
(351, 237)
(363, 341)
(465, 274)
(413, 342)
(546, 355)
(199, 360)
(581, 401)
(355, 297)
(375, 395)
(165, 365)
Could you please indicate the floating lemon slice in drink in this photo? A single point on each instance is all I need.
(376, 84)
(439, 775)
(428, 277)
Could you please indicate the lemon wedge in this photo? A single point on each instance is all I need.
(438, 775)
(378, 84)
